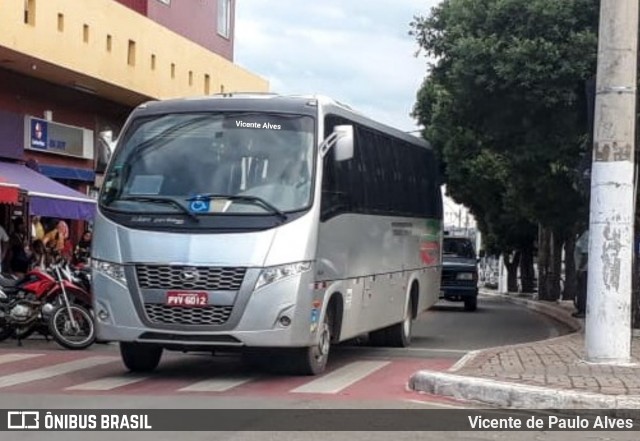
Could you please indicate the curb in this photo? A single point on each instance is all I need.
(514, 395)
(519, 396)
(547, 308)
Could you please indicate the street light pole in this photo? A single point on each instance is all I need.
(608, 319)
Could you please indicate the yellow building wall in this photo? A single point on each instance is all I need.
(120, 49)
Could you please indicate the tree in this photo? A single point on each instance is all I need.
(504, 106)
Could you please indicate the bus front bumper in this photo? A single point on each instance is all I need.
(260, 322)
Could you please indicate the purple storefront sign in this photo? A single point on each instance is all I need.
(11, 135)
(60, 208)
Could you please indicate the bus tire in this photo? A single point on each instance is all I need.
(378, 338)
(139, 357)
(313, 360)
(399, 335)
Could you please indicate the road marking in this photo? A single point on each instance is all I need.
(109, 383)
(10, 358)
(341, 378)
(216, 384)
(454, 351)
(464, 360)
(401, 351)
(436, 404)
(53, 371)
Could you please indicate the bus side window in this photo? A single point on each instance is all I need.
(337, 197)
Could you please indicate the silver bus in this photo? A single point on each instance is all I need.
(263, 221)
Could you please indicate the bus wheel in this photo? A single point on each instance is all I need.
(313, 360)
(378, 338)
(139, 357)
(399, 335)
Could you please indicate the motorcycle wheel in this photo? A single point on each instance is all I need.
(62, 329)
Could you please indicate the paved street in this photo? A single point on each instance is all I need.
(356, 373)
(41, 375)
(100, 372)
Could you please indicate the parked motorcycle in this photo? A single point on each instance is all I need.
(48, 302)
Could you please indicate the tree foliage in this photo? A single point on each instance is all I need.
(504, 106)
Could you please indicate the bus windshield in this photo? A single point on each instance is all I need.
(261, 162)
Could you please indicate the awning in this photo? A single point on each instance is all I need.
(46, 196)
(9, 192)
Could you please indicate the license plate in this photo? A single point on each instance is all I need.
(187, 298)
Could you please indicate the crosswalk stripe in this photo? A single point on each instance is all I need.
(109, 383)
(216, 385)
(341, 378)
(52, 371)
(10, 358)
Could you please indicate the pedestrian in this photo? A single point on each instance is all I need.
(39, 257)
(37, 230)
(57, 238)
(581, 257)
(19, 251)
(4, 240)
(82, 251)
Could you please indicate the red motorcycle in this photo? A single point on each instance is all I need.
(50, 303)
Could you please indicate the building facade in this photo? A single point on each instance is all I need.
(70, 73)
(210, 23)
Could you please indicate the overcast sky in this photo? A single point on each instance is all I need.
(355, 51)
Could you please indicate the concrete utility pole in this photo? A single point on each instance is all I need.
(608, 320)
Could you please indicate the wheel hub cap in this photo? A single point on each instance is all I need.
(323, 344)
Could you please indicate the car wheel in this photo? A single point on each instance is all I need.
(471, 304)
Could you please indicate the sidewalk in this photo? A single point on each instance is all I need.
(549, 374)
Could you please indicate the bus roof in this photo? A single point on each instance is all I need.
(269, 102)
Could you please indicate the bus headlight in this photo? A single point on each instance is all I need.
(114, 271)
(275, 273)
(464, 276)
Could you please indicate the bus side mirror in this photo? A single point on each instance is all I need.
(344, 143)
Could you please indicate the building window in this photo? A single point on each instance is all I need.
(173, 70)
(190, 78)
(85, 33)
(224, 18)
(30, 12)
(109, 43)
(131, 53)
(207, 84)
(60, 22)
(153, 61)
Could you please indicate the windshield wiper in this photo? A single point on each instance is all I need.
(161, 200)
(246, 198)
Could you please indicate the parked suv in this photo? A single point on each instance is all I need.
(459, 272)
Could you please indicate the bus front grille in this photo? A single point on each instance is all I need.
(188, 277)
(172, 315)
